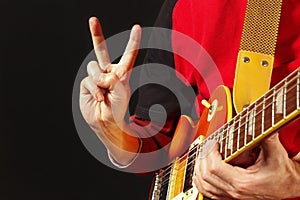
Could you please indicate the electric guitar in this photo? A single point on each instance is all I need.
(240, 134)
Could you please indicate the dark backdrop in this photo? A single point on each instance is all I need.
(43, 44)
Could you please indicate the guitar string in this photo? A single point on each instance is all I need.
(191, 162)
(215, 134)
(240, 115)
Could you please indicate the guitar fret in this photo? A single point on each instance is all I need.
(244, 125)
(224, 135)
(241, 130)
(246, 135)
(238, 135)
(253, 123)
(221, 141)
(248, 126)
(218, 137)
(230, 138)
(291, 96)
(220, 134)
(279, 103)
(273, 108)
(268, 110)
(226, 143)
(258, 118)
(263, 117)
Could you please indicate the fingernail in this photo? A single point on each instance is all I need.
(90, 24)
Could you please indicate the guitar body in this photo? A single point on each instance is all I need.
(188, 132)
(218, 114)
(238, 137)
(211, 119)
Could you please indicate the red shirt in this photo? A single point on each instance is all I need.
(217, 26)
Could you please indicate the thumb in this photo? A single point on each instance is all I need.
(270, 150)
(271, 141)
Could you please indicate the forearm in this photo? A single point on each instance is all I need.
(121, 142)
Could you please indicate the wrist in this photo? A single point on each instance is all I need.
(122, 143)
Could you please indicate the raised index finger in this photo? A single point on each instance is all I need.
(99, 43)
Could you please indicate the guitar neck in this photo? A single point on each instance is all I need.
(271, 112)
(268, 114)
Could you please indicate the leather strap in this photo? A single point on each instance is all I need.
(256, 54)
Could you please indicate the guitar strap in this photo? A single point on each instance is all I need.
(256, 54)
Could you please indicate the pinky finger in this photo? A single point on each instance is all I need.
(88, 86)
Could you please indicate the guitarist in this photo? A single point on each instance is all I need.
(217, 26)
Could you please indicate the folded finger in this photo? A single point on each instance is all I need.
(88, 86)
(108, 81)
(203, 188)
(93, 70)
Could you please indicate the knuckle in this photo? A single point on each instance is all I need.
(92, 67)
(206, 188)
(238, 190)
(107, 80)
(83, 82)
(113, 77)
(88, 85)
(240, 187)
(205, 175)
(110, 68)
(197, 169)
(120, 69)
(213, 168)
(91, 64)
(94, 91)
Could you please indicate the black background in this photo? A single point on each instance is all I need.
(43, 44)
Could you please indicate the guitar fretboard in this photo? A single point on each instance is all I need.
(271, 112)
(268, 114)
